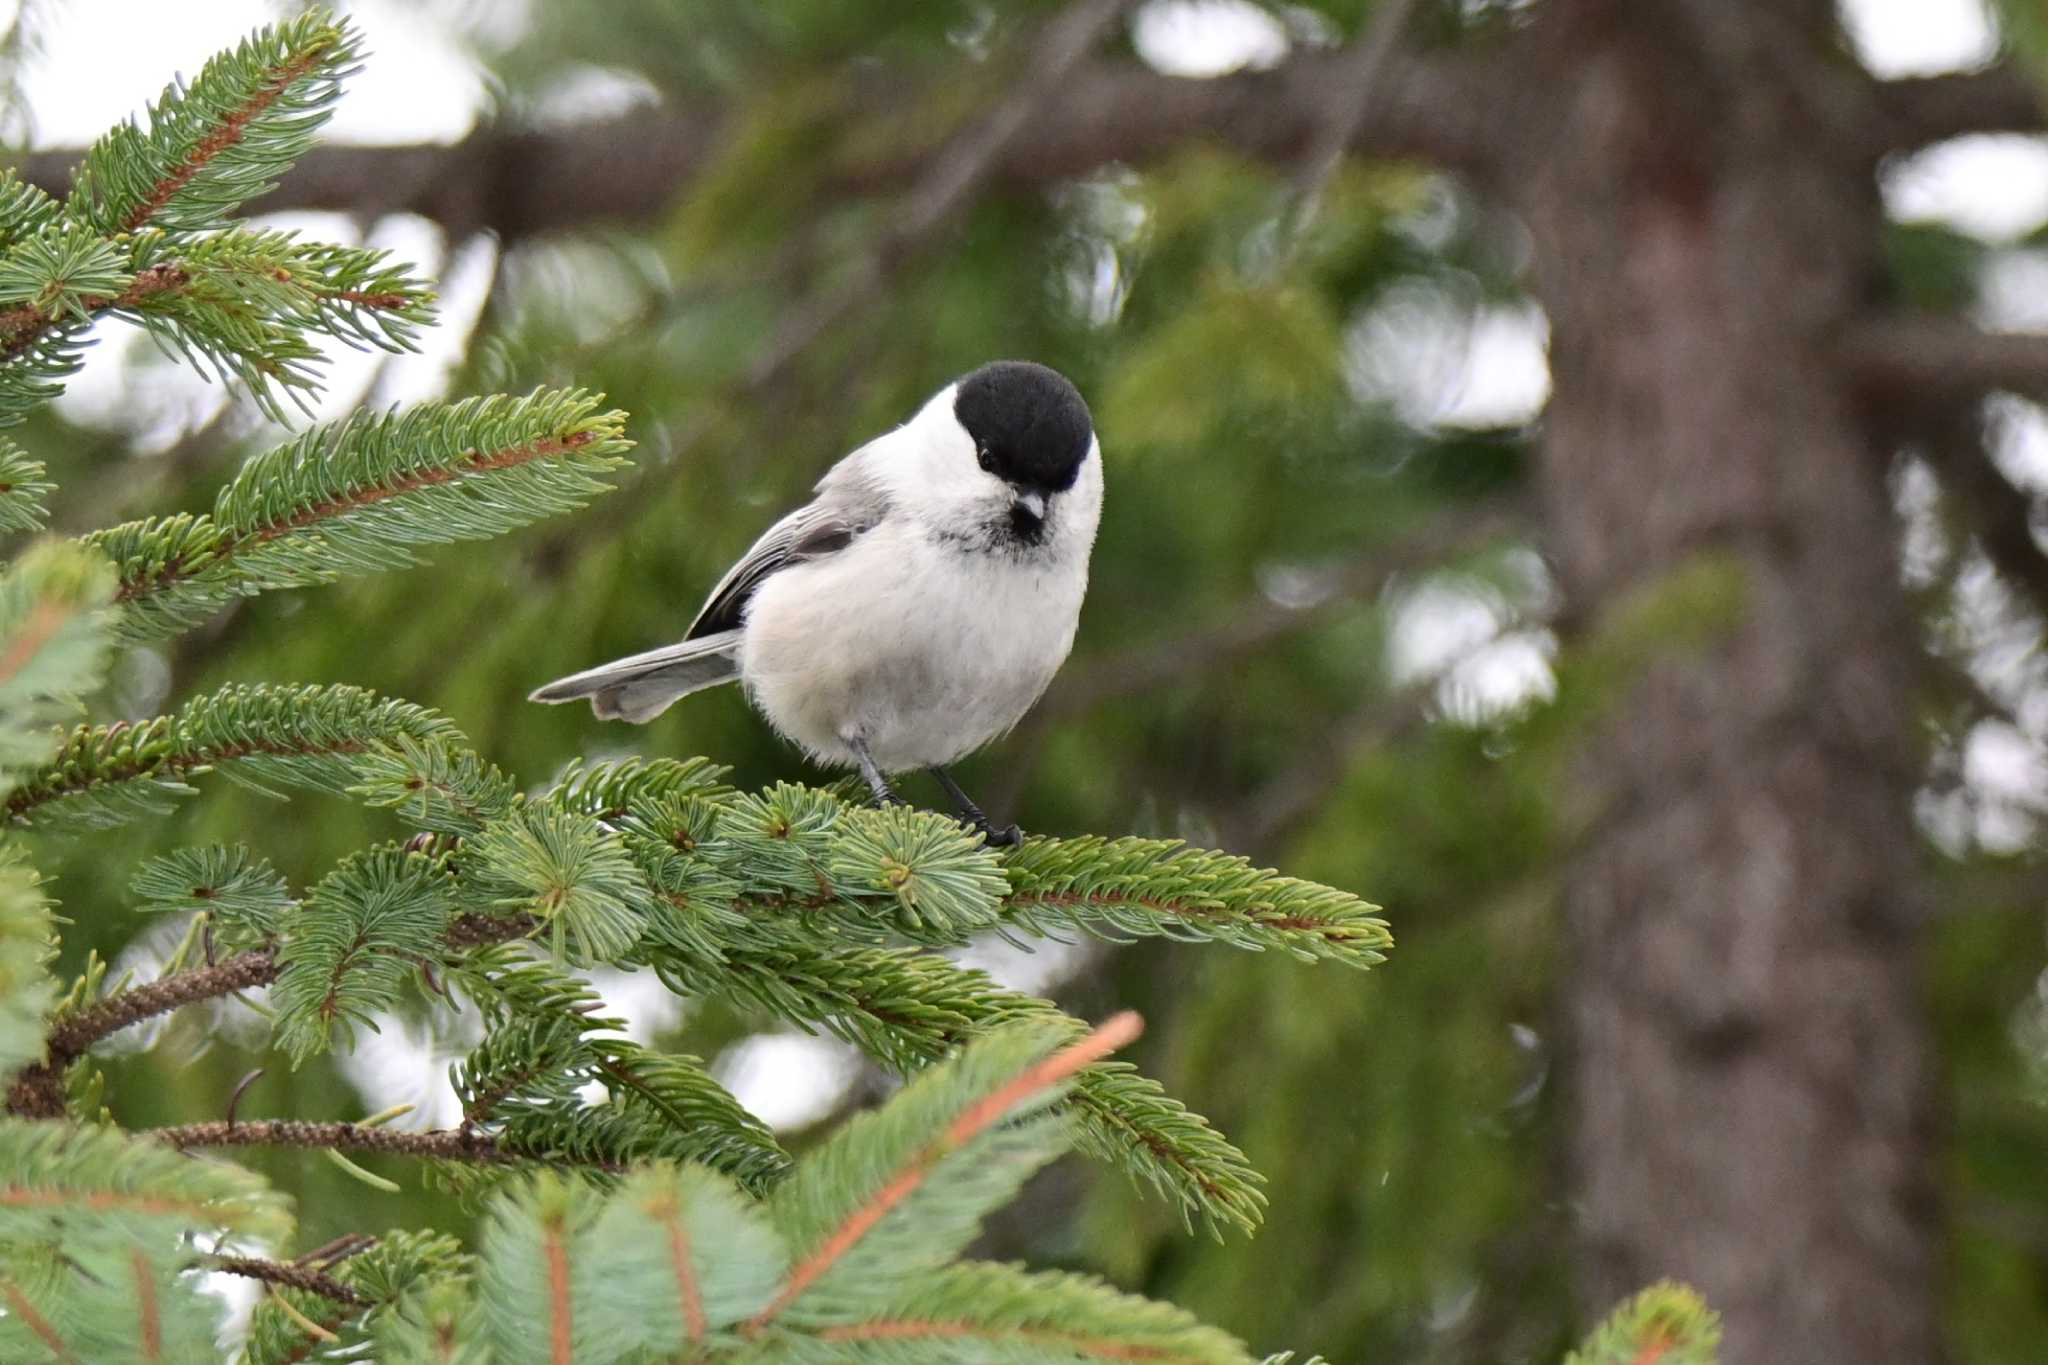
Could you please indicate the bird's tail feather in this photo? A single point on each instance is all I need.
(641, 686)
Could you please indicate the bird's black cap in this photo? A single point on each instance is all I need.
(1029, 423)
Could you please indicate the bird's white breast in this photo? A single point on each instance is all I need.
(922, 645)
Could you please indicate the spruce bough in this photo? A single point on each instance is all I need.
(632, 1209)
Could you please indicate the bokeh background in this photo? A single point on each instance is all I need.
(1371, 603)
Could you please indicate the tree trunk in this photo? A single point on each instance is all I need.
(1750, 1073)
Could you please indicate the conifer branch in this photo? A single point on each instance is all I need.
(290, 1276)
(24, 324)
(229, 131)
(222, 139)
(451, 1144)
(53, 647)
(1162, 887)
(1115, 1032)
(908, 1009)
(37, 1090)
(22, 489)
(20, 1306)
(74, 1033)
(364, 494)
(301, 736)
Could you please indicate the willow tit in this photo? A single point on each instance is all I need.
(918, 606)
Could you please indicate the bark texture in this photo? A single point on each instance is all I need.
(1750, 1079)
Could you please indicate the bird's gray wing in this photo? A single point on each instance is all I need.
(842, 512)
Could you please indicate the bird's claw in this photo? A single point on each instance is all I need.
(995, 836)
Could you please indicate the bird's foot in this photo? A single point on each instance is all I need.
(995, 836)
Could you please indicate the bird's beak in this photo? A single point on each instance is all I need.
(1033, 503)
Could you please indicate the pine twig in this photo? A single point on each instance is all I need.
(37, 1091)
(292, 1277)
(476, 462)
(453, 1144)
(22, 325)
(1117, 1031)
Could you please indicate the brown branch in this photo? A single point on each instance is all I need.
(561, 1306)
(291, 1276)
(1914, 112)
(688, 1291)
(1115, 1032)
(453, 1144)
(18, 1304)
(79, 1030)
(1930, 356)
(24, 323)
(37, 1090)
(522, 184)
(150, 1315)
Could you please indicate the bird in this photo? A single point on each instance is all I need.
(917, 607)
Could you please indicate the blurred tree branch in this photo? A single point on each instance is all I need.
(1930, 356)
(1924, 109)
(523, 183)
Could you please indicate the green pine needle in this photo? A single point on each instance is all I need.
(1135, 888)
(977, 1310)
(363, 495)
(399, 1271)
(836, 1211)
(242, 893)
(1667, 1323)
(24, 209)
(941, 878)
(22, 489)
(311, 738)
(359, 935)
(27, 943)
(565, 870)
(98, 1228)
(906, 1009)
(548, 1041)
(222, 140)
(53, 649)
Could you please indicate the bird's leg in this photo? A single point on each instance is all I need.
(971, 815)
(885, 795)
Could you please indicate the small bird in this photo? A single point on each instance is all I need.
(917, 606)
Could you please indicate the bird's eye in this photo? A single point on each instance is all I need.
(986, 460)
